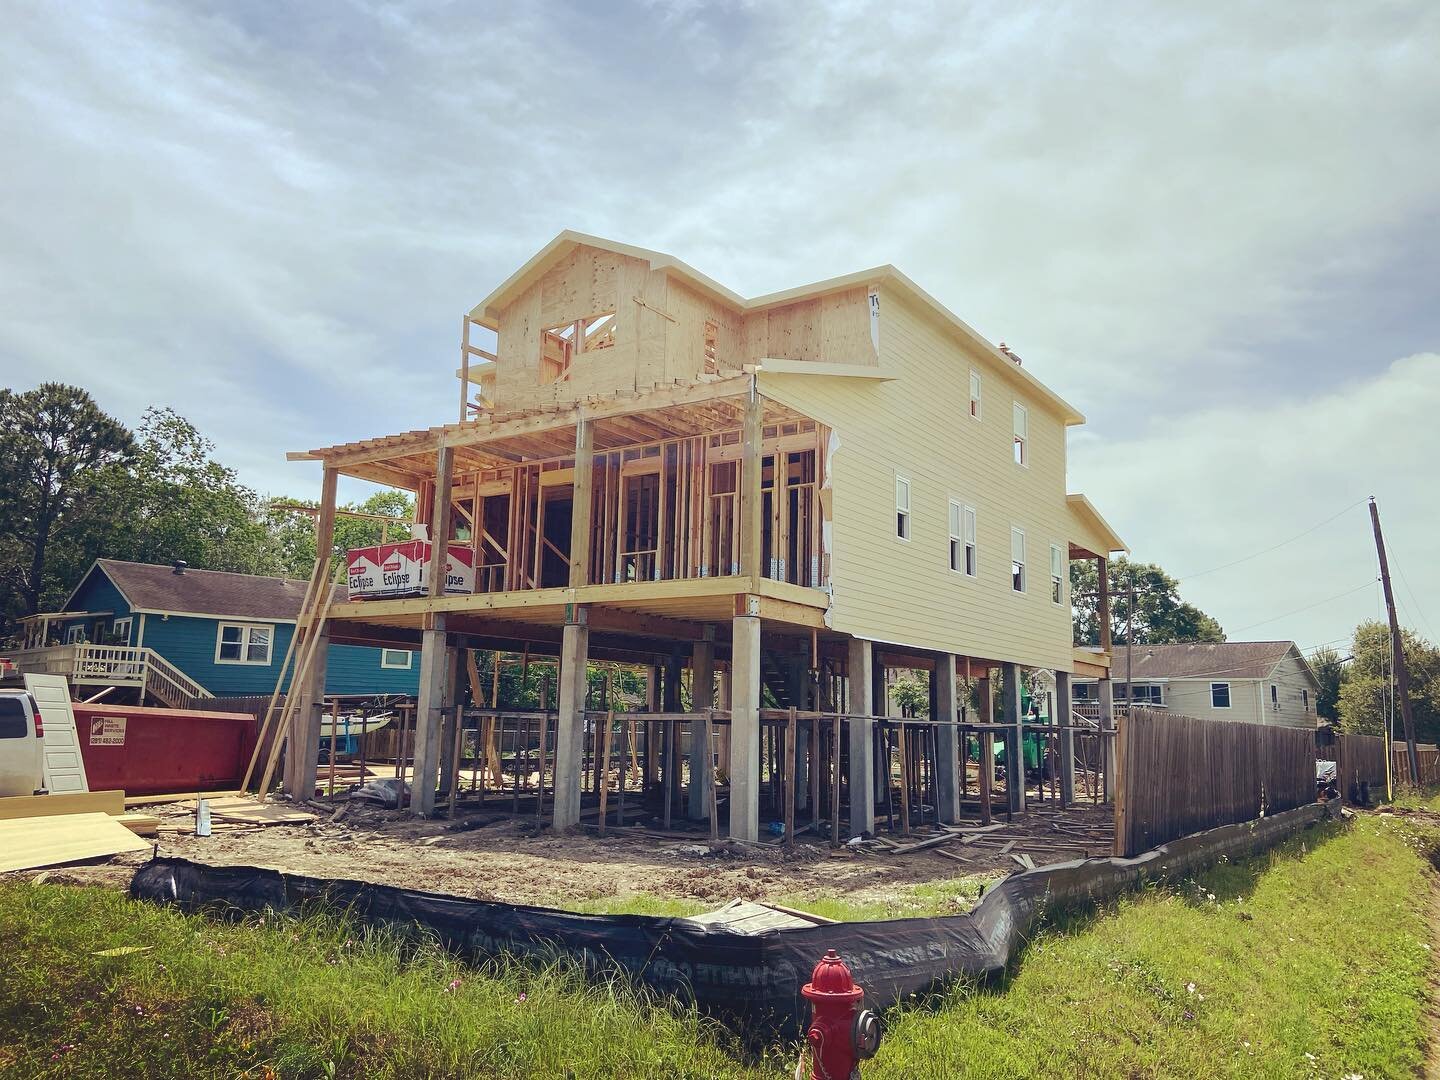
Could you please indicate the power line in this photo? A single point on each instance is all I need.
(1307, 607)
(1413, 598)
(1276, 547)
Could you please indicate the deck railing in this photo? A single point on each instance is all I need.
(115, 665)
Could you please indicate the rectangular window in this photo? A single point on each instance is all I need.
(1219, 695)
(1057, 574)
(243, 643)
(1017, 559)
(120, 632)
(75, 635)
(559, 345)
(1022, 435)
(397, 658)
(1305, 699)
(1274, 696)
(902, 508)
(974, 395)
(1147, 695)
(962, 538)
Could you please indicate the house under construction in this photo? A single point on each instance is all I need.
(766, 502)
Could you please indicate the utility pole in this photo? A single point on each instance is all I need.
(1397, 650)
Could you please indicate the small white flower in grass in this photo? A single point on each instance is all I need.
(1309, 1057)
(1189, 988)
(1200, 997)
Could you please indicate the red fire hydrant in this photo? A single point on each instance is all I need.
(841, 1035)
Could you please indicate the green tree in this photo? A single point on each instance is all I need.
(54, 443)
(1365, 696)
(1160, 616)
(911, 692)
(292, 530)
(1330, 673)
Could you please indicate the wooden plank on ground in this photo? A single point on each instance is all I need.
(28, 843)
(240, 808)
(70, 802)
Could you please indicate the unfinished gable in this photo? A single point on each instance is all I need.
(835, 329)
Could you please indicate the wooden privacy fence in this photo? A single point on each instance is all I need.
(1429, 764)
(1360, 764)
(1178, 775)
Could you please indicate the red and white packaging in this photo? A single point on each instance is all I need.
(363, 573)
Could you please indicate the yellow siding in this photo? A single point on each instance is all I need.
(892, 590)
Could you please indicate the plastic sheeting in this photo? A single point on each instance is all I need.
(750, 982)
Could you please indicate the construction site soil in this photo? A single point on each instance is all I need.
(492, 857)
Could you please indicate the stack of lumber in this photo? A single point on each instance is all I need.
(49, 830)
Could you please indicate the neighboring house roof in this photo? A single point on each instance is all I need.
(1225, 660)
(150, 588)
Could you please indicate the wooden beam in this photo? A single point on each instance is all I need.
(749, 482)
(581, 503)
(440, 519)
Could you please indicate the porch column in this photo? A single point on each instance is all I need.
(1107, 741)
(861, 708)
(701, 754)
(302, 750)
(1065, 715)
(1014, 744)
(570, 723)
(947, 738)
(429, 716)
(745, 728)
(798, 679)
(440, 521)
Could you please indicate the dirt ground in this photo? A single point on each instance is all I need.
(509, 860)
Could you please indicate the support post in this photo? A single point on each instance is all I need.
(581, 500)
(862, 737)
(302, 750)
(749, 494)
(570, 723)
(1014, 744)
(1102, 609)
(1107, 742)
(429, 713)
(947, 738)
(745, 728)
(440, 520)
(1064, 717)
(987, 748)
(701, 753)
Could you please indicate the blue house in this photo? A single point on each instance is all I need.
(177, 633)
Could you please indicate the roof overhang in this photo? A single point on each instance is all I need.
(1090, 534)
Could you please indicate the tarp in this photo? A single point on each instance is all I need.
(751, 982)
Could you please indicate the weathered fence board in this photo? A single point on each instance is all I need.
(1360, 763)
(1179, 775)
(1429, 765)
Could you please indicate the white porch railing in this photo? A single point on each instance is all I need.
(113, 665)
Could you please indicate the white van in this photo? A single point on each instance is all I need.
(22, 758)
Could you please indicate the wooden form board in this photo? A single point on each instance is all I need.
(27, 843)
(54, 805)
(64, 767)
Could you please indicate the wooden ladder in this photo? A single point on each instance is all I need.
(304, 644)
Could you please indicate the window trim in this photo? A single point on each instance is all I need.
(1021, 434)
(977, 390)
(903, 533)
(1229, 699)
(408, 654)
(245, 643)
(1057, 576)
(1017, 531)
(125, 620)
(74, 634)
(967, 546)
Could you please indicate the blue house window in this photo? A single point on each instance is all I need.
(243, 643)
(397, 658)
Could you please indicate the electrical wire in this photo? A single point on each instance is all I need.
(1275, 547)
(1307, 607)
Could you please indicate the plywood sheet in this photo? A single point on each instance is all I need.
(27, 843)
(239, 808)
(75, 802)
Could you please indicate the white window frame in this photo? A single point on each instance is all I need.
(75, 635)
(1229, 699)
(387, 659)
(903, 523)
(970, 520)
(246, 631)
(961, 520)
(1148, 694)
(1057, 576)
(1020, 449)
(120, 628)
(977, 387)
(1017, 533)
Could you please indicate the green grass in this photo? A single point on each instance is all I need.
(1309, 962)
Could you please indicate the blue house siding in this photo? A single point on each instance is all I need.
(190, 643)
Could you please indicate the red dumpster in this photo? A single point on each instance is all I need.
(163, 751)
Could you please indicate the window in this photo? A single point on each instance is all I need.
(120, 632)
(559, 345)
(1146, 694)
(1017, 559)
(902, 508)
(1057, 569)
(1081, 691)
(1022, 435)
(1274, 696)
(1219, 695)
(962, 538)
(14, 724)
(243, 643)
(1305, 699)
(397, 658)
(974, 395)
(75, 635)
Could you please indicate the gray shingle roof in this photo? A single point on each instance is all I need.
(207, 592)
(1192, 660)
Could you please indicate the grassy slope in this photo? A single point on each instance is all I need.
(1330, 962)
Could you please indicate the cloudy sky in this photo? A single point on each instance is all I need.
(1214, 228)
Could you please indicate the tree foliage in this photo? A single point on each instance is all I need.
(1160, 616)
(1329, 668)
(1365, 693)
